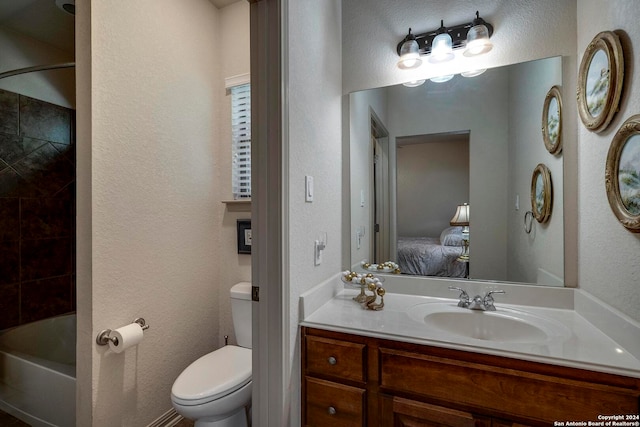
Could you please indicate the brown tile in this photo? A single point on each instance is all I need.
(45, 172)
(9, 307)
(14, 148)
(9, 218)
(45, 298)
(42, 120)
(8, 112)
(45, 218)
(9, 262)
(44, 258)
(10, 183)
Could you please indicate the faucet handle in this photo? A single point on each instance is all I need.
(464, 297)
(488, 299)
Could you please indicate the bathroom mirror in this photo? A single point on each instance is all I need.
(416, 153)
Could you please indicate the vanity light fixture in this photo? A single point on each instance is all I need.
(441, 47)
(472, 36)
(414, 83)
(409, 52)
(473, 73)
(442, 79)
(478, 38)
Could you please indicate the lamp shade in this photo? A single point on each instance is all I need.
(409, 53)
(478, 39)
(441, 49)
(461, 216)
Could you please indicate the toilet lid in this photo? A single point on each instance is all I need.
(212, 376)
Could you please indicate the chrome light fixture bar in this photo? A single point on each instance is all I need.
(478, 30)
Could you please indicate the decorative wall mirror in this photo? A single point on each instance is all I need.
(600, 79)
(439, 153)
(552, 121)
(622, 174)
(541, 193)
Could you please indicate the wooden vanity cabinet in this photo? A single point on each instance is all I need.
(353, 380)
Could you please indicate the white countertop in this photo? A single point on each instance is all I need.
(584, 346)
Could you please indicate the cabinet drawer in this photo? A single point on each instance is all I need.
(338, 359)
(333, 404)
(517, 394)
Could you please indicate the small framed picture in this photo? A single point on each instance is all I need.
(622, 174)
(600, 80)
(244, 236)
(541, 193)
(552, 121)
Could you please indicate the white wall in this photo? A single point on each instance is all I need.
(609, 255)
(483, 111)
(314, 146)
(433, 179)
(544, 246)
(19, 51)
(148, 181)
(361, 106)
(234, 60)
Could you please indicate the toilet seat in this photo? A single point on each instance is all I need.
(213, 376)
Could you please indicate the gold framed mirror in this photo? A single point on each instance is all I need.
(622, 174)
(600, 80)
(541, 193)
(552, 121)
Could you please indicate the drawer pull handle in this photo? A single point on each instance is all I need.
(332, 410)
(332, 360)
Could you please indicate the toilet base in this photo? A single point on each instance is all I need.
(237, 419)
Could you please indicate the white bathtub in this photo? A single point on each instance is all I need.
(38, 372)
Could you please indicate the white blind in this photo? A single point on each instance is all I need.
(241, 141)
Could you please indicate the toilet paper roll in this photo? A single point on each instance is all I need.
(125, 337)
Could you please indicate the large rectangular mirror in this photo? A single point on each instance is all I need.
(417, 153)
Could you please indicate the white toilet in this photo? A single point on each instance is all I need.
(215, 390)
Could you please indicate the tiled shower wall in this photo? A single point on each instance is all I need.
(37, 209)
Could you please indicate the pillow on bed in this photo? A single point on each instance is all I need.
(451, 236)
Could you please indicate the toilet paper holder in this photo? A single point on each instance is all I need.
(103, 337)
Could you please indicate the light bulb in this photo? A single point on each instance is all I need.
(478, 41)
(441, 79)
(441, 49)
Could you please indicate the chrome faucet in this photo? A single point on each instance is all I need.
(464, 296)
(477, 303)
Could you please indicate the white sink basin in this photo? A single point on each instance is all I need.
(502, 325)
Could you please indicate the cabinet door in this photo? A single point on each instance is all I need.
(410, 413)
(333, 404)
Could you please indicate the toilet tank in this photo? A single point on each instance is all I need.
(241, 313)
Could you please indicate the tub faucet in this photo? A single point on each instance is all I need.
(486, 303)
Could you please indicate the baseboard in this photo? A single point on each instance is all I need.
(168, 419)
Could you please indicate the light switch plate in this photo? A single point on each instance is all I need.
(308, 188)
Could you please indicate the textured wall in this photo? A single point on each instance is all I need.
(433, 179)
(609, 255)
(543, 247)
(148, 215)
(314, 148)
(37, 209)
(234, 57)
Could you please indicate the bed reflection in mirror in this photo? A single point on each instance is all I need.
(417, 153)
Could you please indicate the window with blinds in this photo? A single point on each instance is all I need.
(241, 141)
